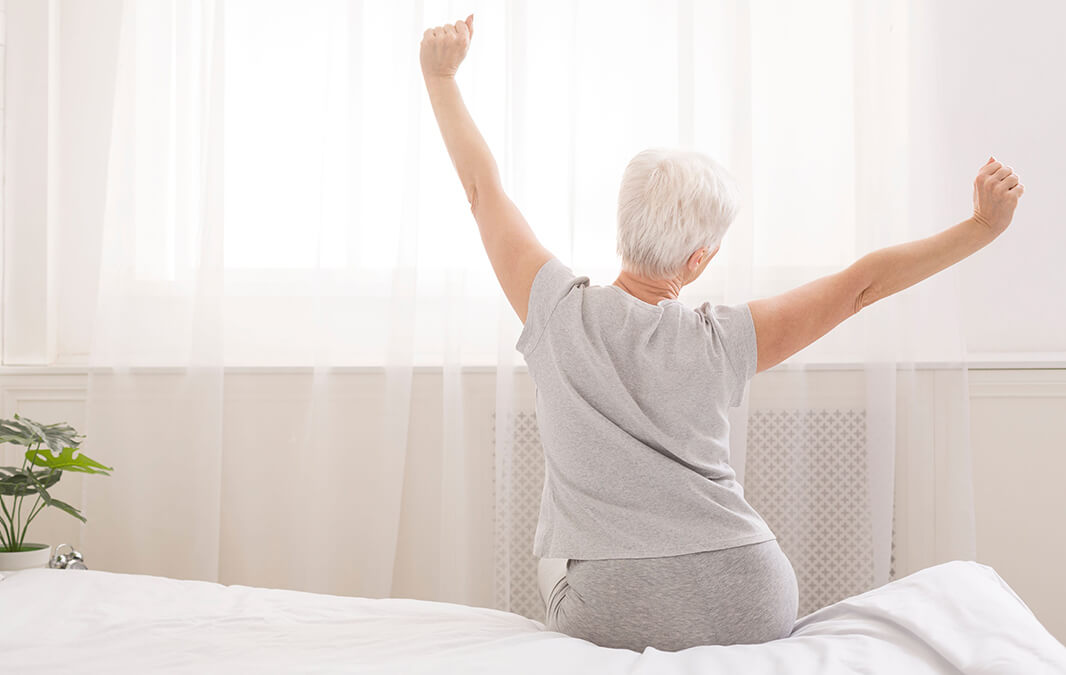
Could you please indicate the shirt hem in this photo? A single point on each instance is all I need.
(666, 553)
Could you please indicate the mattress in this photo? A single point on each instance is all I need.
(954, 617)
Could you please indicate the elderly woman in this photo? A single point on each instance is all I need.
(640, 504)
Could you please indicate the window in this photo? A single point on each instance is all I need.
(320, 164)
(334, 180)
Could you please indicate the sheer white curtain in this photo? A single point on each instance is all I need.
(295, 319)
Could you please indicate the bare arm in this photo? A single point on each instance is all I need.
(512, 247)
(786, 323)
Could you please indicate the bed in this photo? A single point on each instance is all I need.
(954, 617)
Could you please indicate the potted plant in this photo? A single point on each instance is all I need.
(50, 452)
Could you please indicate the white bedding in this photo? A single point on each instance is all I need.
(958, 616)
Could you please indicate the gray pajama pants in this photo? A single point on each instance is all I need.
(742, 595)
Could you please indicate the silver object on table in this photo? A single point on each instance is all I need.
(67, 561)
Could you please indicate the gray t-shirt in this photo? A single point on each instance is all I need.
(632, 402)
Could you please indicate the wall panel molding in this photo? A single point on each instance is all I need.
(1018, 383)
(41, 389)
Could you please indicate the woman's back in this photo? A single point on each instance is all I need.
(632, 404)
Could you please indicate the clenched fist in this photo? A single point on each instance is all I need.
(996, 191)
(444, 47)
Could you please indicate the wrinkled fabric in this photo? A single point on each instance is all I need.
(958, 616)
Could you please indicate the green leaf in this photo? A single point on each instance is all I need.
(63, 506)
(36, 482)
(66, 461)
(24, 431)
(16, 484)
(24, 482)
(48, 478)
(41, 490)
(60, 435)
(31, 425)
(18, 434)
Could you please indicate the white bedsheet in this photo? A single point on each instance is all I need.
(958, 616)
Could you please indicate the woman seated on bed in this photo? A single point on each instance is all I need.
(633, 387)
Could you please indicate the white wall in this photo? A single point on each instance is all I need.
(1019, 445)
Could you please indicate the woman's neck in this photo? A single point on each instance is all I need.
(649, 290)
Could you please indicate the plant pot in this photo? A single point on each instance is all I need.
(24, 560)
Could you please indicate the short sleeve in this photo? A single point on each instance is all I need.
(552, 283)
(735, 329)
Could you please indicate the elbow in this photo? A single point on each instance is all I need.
(860, 301)
(861, 282)
(476, 188)
(471, 196)
(484, 182)
(867, 297)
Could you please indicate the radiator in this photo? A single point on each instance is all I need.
(805, 473)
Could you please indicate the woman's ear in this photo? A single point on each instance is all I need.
(696, 259)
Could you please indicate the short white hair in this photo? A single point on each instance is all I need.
(672, 202)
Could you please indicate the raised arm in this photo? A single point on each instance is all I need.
(513, 249)
(786, 323)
